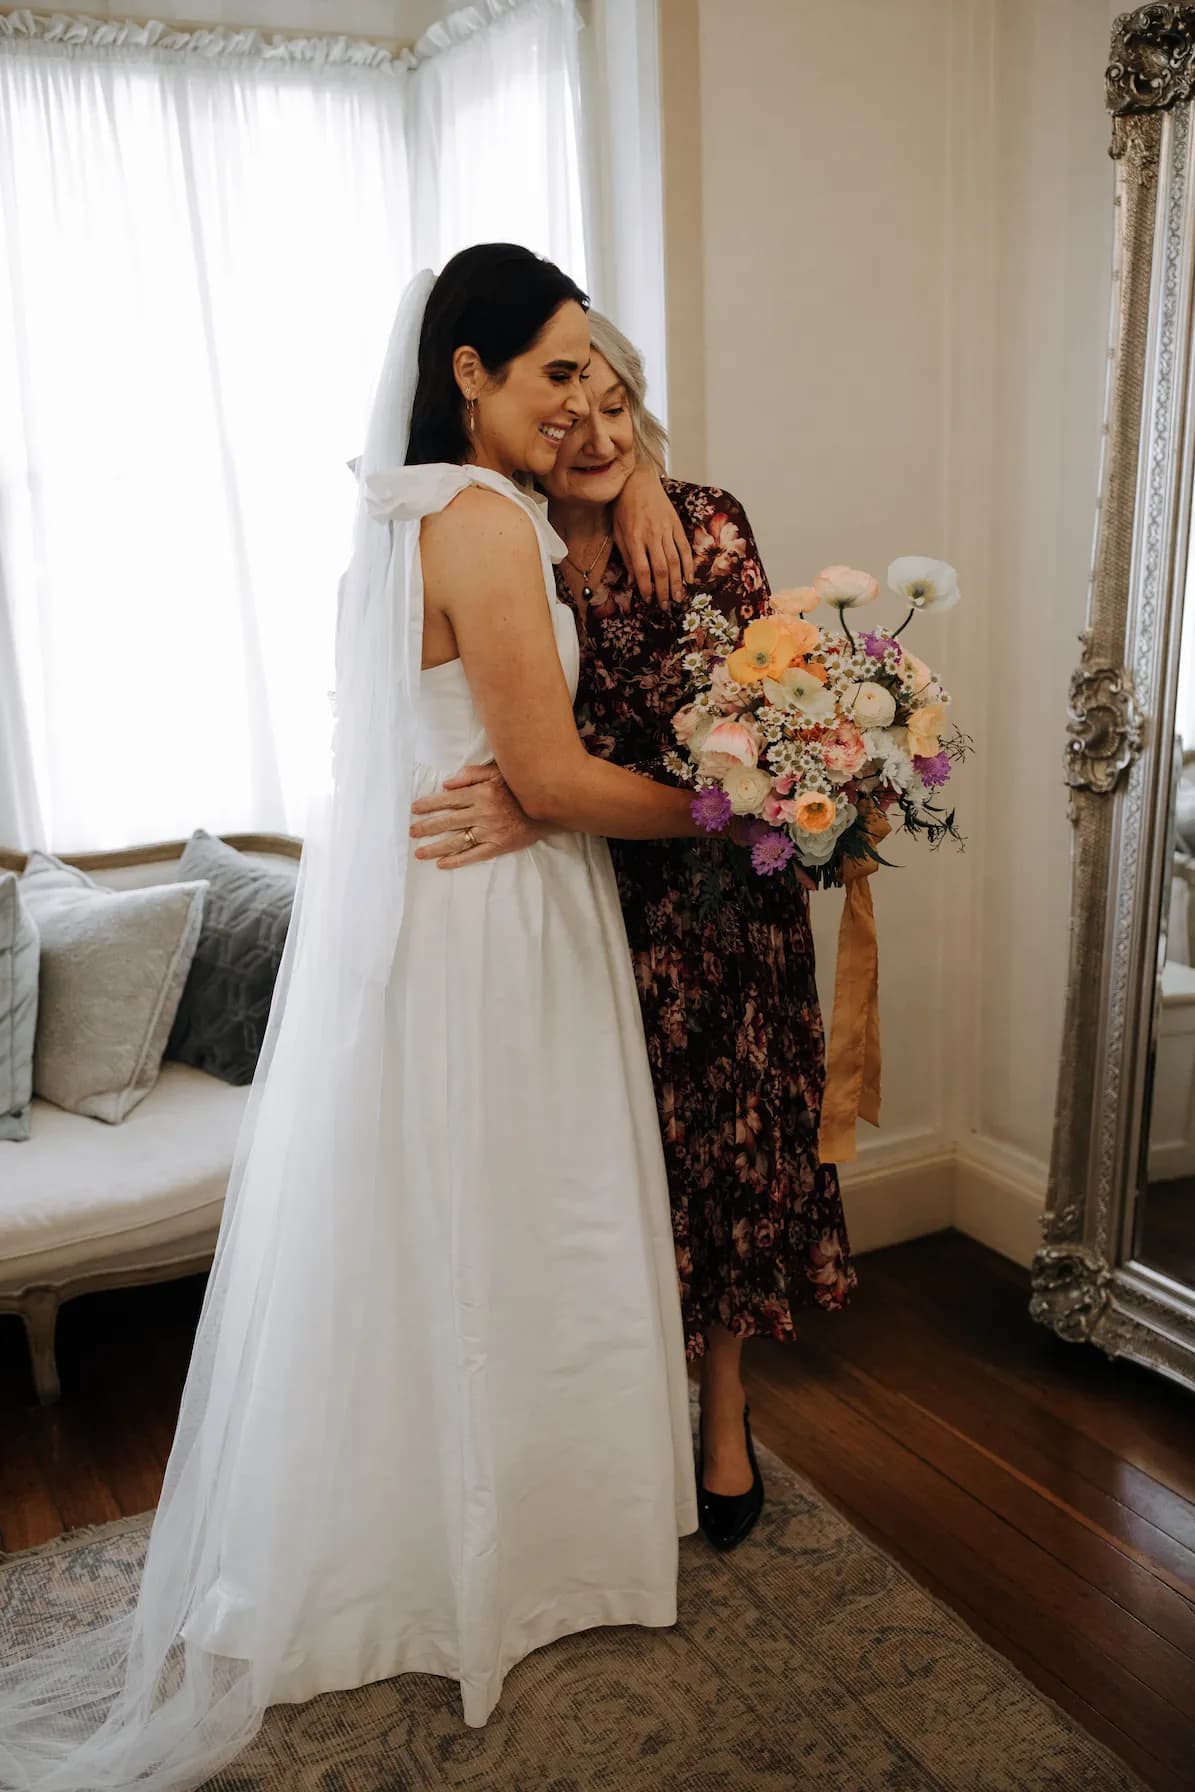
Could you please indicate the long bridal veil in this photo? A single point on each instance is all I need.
(277, 1394)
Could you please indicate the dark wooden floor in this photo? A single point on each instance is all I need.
(1044, 1493)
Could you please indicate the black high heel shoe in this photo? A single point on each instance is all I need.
(726, 1518)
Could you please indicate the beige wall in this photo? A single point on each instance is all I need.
(898, 217)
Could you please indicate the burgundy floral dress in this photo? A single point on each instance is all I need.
(725, 974)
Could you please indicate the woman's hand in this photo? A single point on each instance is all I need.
(651, 539)
(476, 798)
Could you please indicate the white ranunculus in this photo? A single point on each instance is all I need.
(869, 705)
(924, 584)
(748, 788)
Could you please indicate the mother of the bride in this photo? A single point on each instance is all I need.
(724, 966)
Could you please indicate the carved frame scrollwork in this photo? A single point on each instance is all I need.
(1105, 728)
(1087, 1283)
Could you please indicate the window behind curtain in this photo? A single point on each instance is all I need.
(198, 268)
(496, 135)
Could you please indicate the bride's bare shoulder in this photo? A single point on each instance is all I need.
(482, 527)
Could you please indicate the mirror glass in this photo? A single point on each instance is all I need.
(1164, 1221)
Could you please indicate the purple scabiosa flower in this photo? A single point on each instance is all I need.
(933, 772)
(772, 852)
(875, 645)
(711, 809)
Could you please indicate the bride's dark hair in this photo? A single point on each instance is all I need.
(496, 298)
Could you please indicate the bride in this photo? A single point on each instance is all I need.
(436, 1414)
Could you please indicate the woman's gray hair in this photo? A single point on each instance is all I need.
(651, 438)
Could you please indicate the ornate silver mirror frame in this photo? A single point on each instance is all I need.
(1087, 1282)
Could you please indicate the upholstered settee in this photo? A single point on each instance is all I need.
(87, 1206)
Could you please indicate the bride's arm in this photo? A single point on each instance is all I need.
(482, 573)
(651, 538)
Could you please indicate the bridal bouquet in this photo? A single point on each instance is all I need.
(810, 736)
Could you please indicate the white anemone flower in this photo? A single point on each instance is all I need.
(924, 584)
(799, 689)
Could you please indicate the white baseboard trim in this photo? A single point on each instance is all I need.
(910, 1187)
(899, 1191)
(999, 1196)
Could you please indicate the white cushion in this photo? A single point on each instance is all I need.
(76, 1195)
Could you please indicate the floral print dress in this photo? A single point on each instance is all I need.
(725, 974)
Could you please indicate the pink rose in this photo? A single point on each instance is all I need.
(727, 693)
(686, 722)
(844, 751)
(786, 785)
(776, 813)
(738, 741)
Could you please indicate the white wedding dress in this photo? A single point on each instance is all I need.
(524, 1458)
(436, 1413)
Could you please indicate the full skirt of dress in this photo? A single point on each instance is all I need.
(524, 1460)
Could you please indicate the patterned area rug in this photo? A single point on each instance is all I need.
(804, 1659)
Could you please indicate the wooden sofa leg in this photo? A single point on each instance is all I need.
(39, 1310)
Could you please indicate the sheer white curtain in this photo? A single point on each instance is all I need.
(496, 132)
(201, 248)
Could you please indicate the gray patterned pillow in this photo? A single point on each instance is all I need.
(19, 949)
(113, 965)
(222, 1017)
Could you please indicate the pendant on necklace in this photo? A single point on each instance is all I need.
(586, 594)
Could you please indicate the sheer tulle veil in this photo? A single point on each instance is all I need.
(165, 1695)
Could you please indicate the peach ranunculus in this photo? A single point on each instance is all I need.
(844, 751)
(925, 727)
(793, 604)
(918, 678)
(845, 587)
(768, 649)
(814, 812)
(736, 740)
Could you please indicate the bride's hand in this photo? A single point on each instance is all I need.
(651, 539)
(476, 798)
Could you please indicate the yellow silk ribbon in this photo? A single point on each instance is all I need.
(853, 1062)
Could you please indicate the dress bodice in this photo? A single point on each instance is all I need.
(450, 733)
